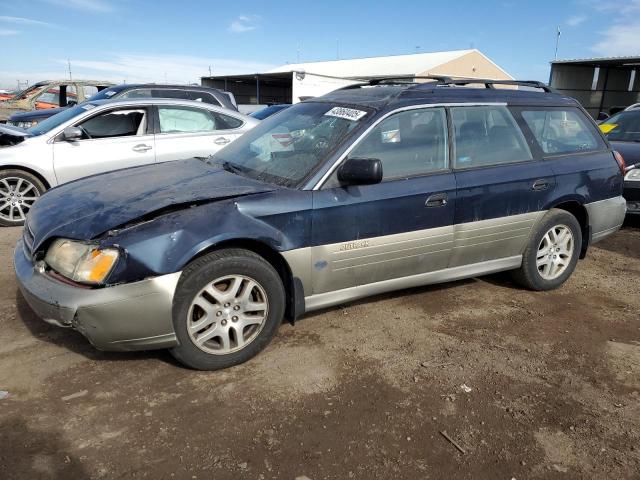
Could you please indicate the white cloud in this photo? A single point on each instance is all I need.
(4, 32)
(619, 40)
(25, 21)
(626, 7)
(155, 68)
(244, 23)
(88, 5)
(576, 20)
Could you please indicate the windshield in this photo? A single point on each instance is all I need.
(107, 93)
(268, 111)
(58, 119)
(285, 148)
(623, 127)
(27, 92)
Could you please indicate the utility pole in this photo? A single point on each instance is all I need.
(557, 42)
(69, 66)
(210, 70)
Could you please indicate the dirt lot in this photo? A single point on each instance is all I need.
(356, 392)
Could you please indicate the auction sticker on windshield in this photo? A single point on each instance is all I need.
(346, 113)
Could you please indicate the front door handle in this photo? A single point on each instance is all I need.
(221, 141)
(437, 200)
(141, 148)
(540, 185)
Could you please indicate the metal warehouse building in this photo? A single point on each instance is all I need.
(294, 82)
(599, 84)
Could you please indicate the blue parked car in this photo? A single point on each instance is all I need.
(372, 188)
(623, 132)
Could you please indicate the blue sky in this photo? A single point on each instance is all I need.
(145, 40)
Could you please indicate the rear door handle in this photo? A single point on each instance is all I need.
(221, 141)
(541, 184)
(437, 200)
(141, 148)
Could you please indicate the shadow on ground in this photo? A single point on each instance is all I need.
(32, 454)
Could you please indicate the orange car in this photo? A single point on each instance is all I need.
(50, 94)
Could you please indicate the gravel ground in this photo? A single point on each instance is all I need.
(528, 385)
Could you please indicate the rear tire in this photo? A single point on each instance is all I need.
(552, 253)
(18, 192)
(227, 307)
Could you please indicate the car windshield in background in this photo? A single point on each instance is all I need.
(285, 148)
(107, 93)
(268, 111)
(58, 119)
(623, 127)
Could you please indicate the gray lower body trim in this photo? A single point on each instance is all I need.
(135, 316)
(323, 300)
(606, 217)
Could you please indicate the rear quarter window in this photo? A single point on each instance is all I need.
(562, 130)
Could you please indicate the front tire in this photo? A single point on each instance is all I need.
(227, 307)
(552, 253)
(18, 192)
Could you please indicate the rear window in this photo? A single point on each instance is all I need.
(560, 131)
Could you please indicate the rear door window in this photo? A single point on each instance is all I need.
(137, 93)
(170, 93)
(562, 130)
(487, 135)
(205, 97)
(185, 120)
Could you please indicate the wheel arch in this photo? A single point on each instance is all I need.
(578, 210)
(293, 287)
(33, 172)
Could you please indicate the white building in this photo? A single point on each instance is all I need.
(292, 83)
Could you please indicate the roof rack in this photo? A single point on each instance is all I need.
(449, 81)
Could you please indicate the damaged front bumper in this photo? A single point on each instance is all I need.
(133, 316)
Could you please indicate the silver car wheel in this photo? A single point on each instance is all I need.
(555, 252)
(17, 196)
(227, 314)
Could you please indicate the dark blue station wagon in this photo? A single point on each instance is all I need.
(372, 188)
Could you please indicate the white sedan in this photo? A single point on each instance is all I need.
(104, 135)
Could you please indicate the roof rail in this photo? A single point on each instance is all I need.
(445, 81)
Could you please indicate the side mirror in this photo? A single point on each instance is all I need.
(603, 116)
(70, 134)
(72, 103)
(360, 171)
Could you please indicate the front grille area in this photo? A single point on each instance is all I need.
(632, 191)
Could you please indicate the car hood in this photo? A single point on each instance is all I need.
(10, 135)
(86, 208)
(36, 114)
(629, 150)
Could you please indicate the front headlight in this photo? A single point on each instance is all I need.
(633, 175)
(81, 262)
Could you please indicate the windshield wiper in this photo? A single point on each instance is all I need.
(232, 167)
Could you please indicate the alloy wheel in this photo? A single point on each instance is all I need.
(555, 252)
(227, 314)
(17, 196)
